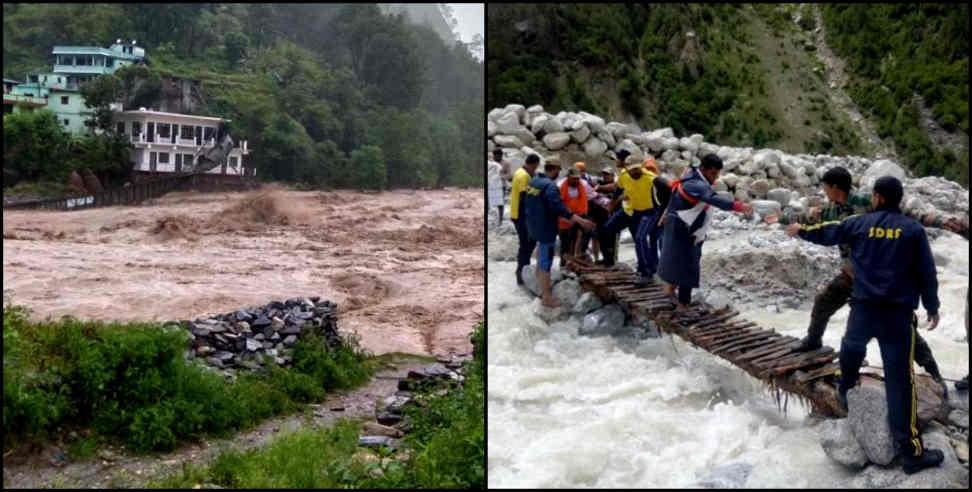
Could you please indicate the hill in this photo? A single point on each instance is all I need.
(791, 76)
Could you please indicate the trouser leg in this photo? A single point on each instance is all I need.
(897, 341)
(526, 245)
(640, 236)
(566, 243)
(612, 227)
(684, 295)
(853, 347)
(833, 297)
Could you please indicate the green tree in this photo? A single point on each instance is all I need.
(236, 46)
(35, 146)
(366, 169)
(99, 94)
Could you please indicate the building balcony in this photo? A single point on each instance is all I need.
(83, 69)
(24, 100)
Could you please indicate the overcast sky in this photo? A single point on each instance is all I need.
(470, 17)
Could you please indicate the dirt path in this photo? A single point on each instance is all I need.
(128, 471)
(406, 267)
(837, 79)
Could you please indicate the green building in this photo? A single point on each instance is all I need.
(58, 90)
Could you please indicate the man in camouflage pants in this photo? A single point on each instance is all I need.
(837, 186)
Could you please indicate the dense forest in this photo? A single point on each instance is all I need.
(741, 74)
(327, 94)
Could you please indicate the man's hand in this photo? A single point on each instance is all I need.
(771, 219)
(746, 209)
(792, 229)
(932, 321)
(814, 213)
(586, 224)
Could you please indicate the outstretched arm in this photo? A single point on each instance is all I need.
(825, 233)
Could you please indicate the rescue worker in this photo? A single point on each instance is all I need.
(574, 193)
(836, 184)
(893, 267)
(636, 188)
(686, 223)
(608, 236)
(582, 169)
(598, 211)
(521, 179)
(542, 207)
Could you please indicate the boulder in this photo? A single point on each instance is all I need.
(780, 195)
(556, 141)
(508, 141)
(606, 137)
(594, 147)
(720, 185)
(686, 143)
(606, 321)
(633, 149)
(741, 194)
(949, 474)
(536, 125)
(518, 109)
(586, 303)
(618, 130)
(788, 170)
(729, 179)
(669, 155)
(553, 125)
(759, 187)
(670, 143)
(764, 159)
(730, 164)
(766, 207)
(529, 275)
(840, 445)
(507, 124)
(525, 135)
(595, 123)
(655, 144)
(490, 128)
(881, 167)
(567, 291)
(581, 134)
(495, 114)
(728, 476)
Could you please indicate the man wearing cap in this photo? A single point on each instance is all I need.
(582, 169)
(618, 218)
(574, 192)
(686, 223)
(636, 188)
(542, 207)
(521, 179)
(844, 202)
(893, 267)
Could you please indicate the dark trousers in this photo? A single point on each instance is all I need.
(620, 220)
(599, 215)
(891, 325)
(526, 243)
(646, 243)
(569, 236)
(834, 296)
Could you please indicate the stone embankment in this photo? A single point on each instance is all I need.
(773, 180)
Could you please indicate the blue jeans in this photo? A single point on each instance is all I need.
(646, 243)
(546, 256)
(526, 243)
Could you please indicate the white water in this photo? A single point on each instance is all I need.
(571, 411)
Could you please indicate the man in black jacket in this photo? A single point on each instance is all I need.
(893, 267)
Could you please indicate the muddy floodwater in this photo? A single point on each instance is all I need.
(406, 267)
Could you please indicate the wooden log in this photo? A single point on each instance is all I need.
(798, 356)
(725, 336)
(827, 370)
(798, 363)
(770, 358)
(782, 342)
(718, 319)
(735, 344)
(740, 323)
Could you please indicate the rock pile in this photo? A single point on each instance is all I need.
(242, 339)
(789, 180)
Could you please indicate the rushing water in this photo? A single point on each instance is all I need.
(572, 411)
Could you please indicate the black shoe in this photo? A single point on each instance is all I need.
(642, 280)
(519, 278)
(928, 459)
(963, 385)
(842, 397)
(808, 344)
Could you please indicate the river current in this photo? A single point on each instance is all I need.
(572, 411)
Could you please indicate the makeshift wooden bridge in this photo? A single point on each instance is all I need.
(763, 353)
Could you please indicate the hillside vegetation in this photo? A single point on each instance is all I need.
(315, 88)
(743, 75)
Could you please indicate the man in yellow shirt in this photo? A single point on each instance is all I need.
(636, 185)
(521, 180)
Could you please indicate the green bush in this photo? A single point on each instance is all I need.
(131, 382)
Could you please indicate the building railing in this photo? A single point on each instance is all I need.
(26, 100)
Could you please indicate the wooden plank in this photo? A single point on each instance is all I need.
(796, 358)
(753, 336)
(768, 349)
(801, 362)
(725, 336)
(826, 370)
(739, 323)
(771, 358)
(752, 347)
(718, 319)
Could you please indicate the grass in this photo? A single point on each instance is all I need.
(130, 383)
(37, 189)
(446, 449)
